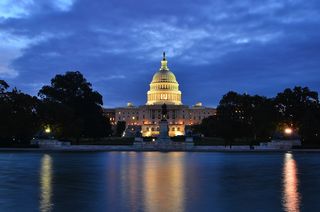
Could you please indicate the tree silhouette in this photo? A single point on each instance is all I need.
(77, 108)
(120, 128)
(3, 86)
(242, 116)
(18, 112)
(299, 108)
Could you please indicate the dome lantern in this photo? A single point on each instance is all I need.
(164, 62)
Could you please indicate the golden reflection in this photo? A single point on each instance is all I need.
(46, 183)
(164, 182)
(125, 179)
(291, 196)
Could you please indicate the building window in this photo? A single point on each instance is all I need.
(152, 129)
(147, 128)
(163, 96)
(178, 128)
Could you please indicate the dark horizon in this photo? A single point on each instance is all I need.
(247, 47)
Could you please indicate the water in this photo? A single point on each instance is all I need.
(153, 181)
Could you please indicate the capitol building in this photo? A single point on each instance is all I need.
(164, 89)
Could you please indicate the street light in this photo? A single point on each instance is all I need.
(47, 130)
(288, 131)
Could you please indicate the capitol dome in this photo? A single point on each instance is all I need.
(164, 76)
(164, 87)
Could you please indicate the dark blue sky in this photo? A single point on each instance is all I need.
(258, 47)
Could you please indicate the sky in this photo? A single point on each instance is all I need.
(212, 46)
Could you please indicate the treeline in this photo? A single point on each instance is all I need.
(72, 110)
(257, 118)
(68, 108)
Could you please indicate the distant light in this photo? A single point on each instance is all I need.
(47, 130)
(288, 131)
(153, 139)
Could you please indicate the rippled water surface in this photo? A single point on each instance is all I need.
(153, 181)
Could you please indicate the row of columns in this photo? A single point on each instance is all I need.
(157, 97)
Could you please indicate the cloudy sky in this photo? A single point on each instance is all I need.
(257, 47)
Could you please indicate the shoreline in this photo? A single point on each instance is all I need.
(99, 148)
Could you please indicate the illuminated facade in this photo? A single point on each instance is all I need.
(164, 89)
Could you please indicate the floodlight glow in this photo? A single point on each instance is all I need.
(288, 131)
(47, 130)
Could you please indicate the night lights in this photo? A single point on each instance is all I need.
(47, 130)
(288, 131)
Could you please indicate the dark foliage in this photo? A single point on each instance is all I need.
(257, 118)
(72, 108)
(241, 116)
(19, 118)
(120, 128)
(299, 108)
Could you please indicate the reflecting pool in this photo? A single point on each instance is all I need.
(154, 181)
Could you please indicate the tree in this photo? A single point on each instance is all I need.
(61, 120)
(264, 118)
(18, 112)
(3, 86)
(120, 128)
(310, 127)
(233, 115)
(293, 103)
(299, 108)
(209, 126)
(73, 95)
(242, 116)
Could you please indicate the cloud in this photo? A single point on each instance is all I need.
(23, 8)
(213, 46)
(63, 5)
(111, 77)
(14, 9)
(6, 72)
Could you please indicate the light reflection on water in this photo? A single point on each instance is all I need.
(291, 195)
(154, 181)
(148, 182)
(164, 184)
(46, 183)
